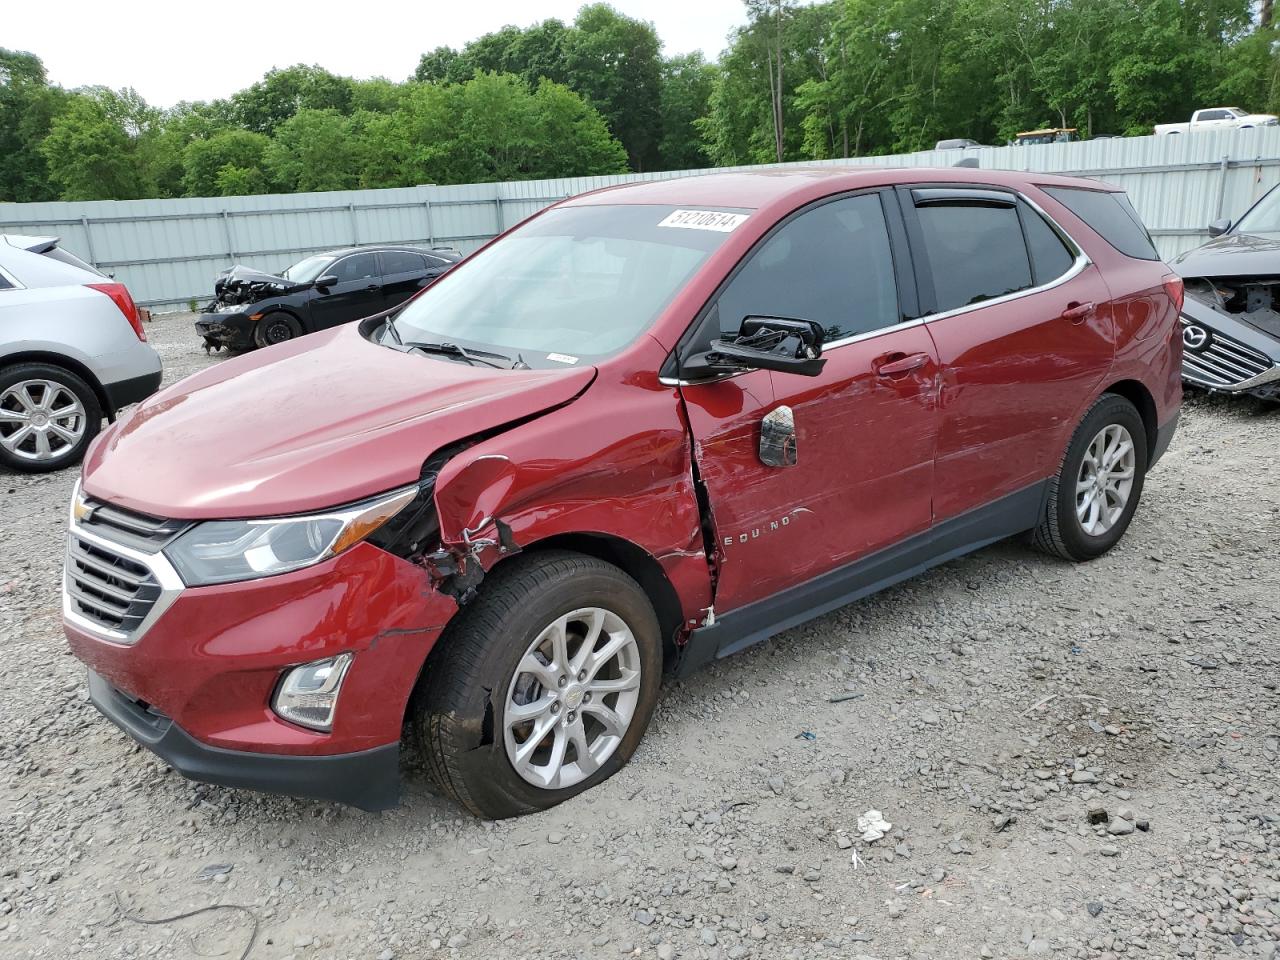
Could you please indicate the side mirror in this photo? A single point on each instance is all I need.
(784, 344)
(1219, 227)
(328, 280)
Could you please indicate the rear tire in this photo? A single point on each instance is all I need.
(489, 671)
(277, 327)
(1093, 498)
(48, 417)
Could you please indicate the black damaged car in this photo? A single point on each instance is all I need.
(255, 309)
(1231, 314)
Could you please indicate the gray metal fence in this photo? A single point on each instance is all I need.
(167, 251)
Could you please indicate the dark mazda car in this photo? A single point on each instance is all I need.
(255, 309)
(1231, 317)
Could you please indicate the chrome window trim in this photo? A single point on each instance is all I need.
(171, 584)
(1077, 267)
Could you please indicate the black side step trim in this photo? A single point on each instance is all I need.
(741, 628)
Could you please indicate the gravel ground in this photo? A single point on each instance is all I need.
(1003, 701)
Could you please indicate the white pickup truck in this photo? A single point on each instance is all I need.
(1218, 118)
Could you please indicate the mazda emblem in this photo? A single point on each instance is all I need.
(1194, 336)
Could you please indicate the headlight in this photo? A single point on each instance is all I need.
(222, 551)
(308, 695)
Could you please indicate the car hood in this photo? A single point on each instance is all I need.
(1232, 255)
(306, 425)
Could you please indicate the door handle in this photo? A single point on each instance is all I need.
(373, 286)
(1077, 312)
(894, 365)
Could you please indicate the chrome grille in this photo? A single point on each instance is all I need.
(107, 588)
(135, 530)
(1223, 362)
(116, 580)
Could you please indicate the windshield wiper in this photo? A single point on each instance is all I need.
(454, 350)
(391, 329)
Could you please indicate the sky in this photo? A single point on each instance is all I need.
(172, 51)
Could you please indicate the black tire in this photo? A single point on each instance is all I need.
(458, 710)
(1060, 531)
(276, 327)
(16, 374)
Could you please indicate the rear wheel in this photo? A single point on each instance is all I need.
(1093, 498)
(543, 686)
(48, 416)
(276, 327)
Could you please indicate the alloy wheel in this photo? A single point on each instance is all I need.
(572, 698)
(40, 420)
(1105, 480)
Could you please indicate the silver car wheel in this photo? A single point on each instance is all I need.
(40, 420)
(1105, 480)
(572, 698)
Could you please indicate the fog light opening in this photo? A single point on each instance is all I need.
(308, 695)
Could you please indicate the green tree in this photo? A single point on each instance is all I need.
(493, 128)
(204, 160)
(177, 129)
(233, 181)
(313, 150)
(93, 147)
(612, 60)
(687, 82)
(442, 65)
(282, 93)
(28, 106)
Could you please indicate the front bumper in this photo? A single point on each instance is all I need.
(1224, 354)
(206, 661)
(232, 330)
(368, 779)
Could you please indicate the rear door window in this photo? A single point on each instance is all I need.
(831, 263)
(975, 251)
(395, 262)
(1111, 216)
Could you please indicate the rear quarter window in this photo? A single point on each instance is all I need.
(1111, 216)
(62, 256)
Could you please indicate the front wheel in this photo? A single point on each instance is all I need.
(543, 686)
(1096, 491)
(277, 327)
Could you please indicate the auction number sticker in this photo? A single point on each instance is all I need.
(704, 220)
(561, 358)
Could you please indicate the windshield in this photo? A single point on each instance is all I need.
(572, 285)
(1264, 218)
(304, 271)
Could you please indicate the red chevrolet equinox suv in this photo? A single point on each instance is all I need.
(647, 428)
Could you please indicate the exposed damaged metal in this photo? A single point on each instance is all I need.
(241, 285)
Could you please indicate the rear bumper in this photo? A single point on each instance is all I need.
(134, 390)
(369, 779)
(1164, 436)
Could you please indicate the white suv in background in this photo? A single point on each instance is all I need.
(72, 350)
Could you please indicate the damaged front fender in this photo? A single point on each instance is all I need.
(468, 498)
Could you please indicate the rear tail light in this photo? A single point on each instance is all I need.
(119, 295)
(1173, 287)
